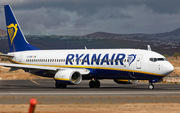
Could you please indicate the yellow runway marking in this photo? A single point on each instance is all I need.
(35, 82)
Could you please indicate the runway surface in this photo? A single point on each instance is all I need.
(20, 91)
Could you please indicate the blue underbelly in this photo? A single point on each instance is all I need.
(117, 74)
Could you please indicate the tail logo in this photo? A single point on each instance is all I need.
(12, 31)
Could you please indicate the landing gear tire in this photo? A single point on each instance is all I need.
(63, 85)
(97, 84)
(94, 84)
(91, 84)
(58, 85)
(151, 86)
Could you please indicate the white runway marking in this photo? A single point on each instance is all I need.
(101, 93)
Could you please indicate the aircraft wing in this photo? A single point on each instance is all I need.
(20, 66)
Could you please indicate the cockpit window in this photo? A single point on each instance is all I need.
(153, 59)
(160, 59)
(157, 59)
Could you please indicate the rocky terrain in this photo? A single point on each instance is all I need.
(16, 75)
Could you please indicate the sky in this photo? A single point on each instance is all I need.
(81, 17)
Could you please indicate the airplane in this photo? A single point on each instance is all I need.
(70, 67)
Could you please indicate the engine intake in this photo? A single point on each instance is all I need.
(68, 76)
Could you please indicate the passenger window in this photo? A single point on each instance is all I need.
(155, 59)
(151, 59)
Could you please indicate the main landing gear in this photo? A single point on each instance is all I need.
(58, 85)
(151, 86)
(94, 84)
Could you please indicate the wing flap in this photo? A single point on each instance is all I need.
(82, 71)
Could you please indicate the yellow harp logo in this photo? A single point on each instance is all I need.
(12, 30)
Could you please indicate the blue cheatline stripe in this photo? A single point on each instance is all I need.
(63, 82)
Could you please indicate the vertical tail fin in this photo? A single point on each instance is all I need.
(16, 39)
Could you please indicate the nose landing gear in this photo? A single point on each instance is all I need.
(151, 86)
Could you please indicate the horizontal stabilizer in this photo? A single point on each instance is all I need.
(6, 55)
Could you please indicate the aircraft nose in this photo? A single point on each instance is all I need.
(168, 68)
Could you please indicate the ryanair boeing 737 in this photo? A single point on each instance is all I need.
(70, 67)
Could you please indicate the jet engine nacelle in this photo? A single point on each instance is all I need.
(124, 81)
(68, 76)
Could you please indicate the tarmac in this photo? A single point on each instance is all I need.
(20, 92)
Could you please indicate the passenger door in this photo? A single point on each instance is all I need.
(139, 61)
(20, 58)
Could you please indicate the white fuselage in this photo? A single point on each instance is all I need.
(103, 63)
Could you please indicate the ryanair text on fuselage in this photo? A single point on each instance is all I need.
(99, 59)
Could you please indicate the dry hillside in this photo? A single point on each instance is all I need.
(13, 75)
(3, 32)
